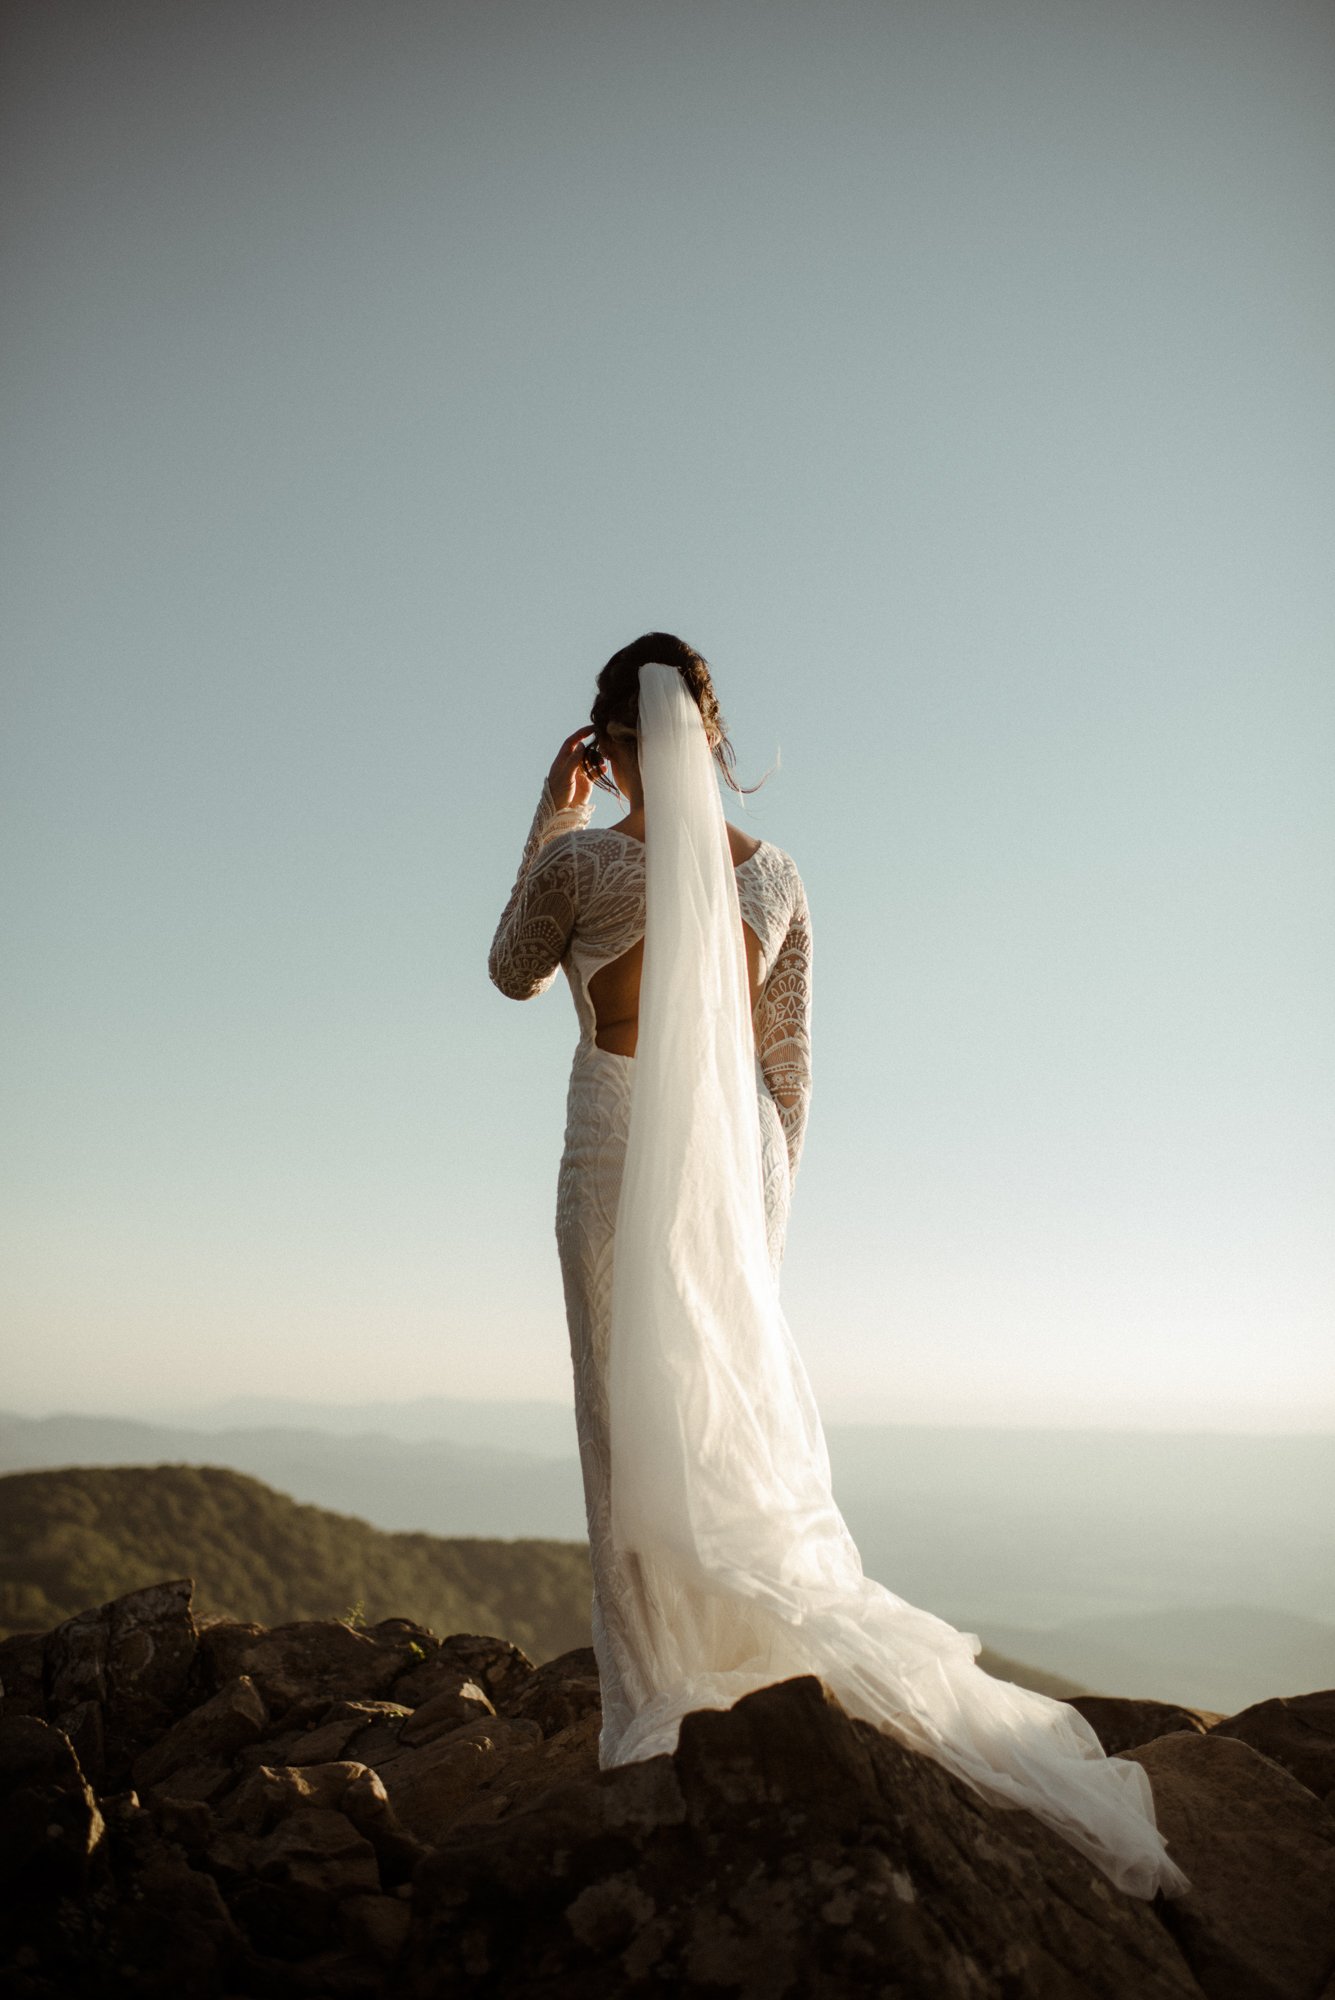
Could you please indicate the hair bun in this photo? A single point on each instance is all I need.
(616, 708)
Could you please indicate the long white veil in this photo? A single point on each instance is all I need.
(721, 1501)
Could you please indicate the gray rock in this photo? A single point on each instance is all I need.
(21, 1690)
(497, 1667)
(292, 1664)
(74, 1660)
(51, 1828)
(1259, 1922)
(364, 1730)
(1297, 1731)
(374, 1927)
(346, 1813)
(317, 1849)
(560, 1692)
(429, 1787)
(189, 1823)
(209, 1734)
(367, 1804)
(1122, 1725)
(269, 1796)
(785, 1850)
(84, 1723)
(460, 1702)
(569, 1755)
(168, 1932)
(117, 1676)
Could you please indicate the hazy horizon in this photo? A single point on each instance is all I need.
(178, 1410)
(961, 381)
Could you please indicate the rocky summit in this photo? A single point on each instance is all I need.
(226, 1809)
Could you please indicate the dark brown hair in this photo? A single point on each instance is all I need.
(616, 707)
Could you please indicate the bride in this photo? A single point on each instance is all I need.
(721, 1562)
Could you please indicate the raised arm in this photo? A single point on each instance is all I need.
(536, 923)
(783, 1029)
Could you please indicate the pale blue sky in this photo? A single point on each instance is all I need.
(958, 378)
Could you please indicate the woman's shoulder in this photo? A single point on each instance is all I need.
(781, 854)
(794, 888)
(769, 879)
(777, 859)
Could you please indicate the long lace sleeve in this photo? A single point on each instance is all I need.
(783, 1029)
(535, 924)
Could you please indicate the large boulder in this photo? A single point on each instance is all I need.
(1296, 1731)
(374, 1928)
(165, 1931)
(499, 1669)
(785, 1849)
(272, 1794)
(430, 1787)
(21, 1689)
(51, 1828)
(209, 1736)
(1259, 1849)
(312, 1660)
(116, 1676)
(560, 1693)
(318, 1850)
(1121, 1724)
(456, 1703)
(368, 1731)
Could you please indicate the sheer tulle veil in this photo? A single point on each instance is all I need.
(721, 1500)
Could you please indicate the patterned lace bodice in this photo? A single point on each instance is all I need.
(578, 903)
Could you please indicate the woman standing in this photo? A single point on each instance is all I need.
(720, 1561)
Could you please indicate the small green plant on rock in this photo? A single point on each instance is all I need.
(355, 1615)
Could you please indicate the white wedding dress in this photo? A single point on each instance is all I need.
(724, 1564)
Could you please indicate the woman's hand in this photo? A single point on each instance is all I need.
(568, 781)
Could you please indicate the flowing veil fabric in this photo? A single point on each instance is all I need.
(721, 1503)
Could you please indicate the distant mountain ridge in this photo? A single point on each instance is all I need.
(1129, 1653)
(434, 1486)
(534, 1427)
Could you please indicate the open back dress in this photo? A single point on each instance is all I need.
(747, 1575)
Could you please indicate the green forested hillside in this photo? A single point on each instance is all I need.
(74, 1537)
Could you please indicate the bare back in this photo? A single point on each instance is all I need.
(578, 903)
(615, 988)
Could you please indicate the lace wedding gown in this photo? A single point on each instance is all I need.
(664, 1644)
